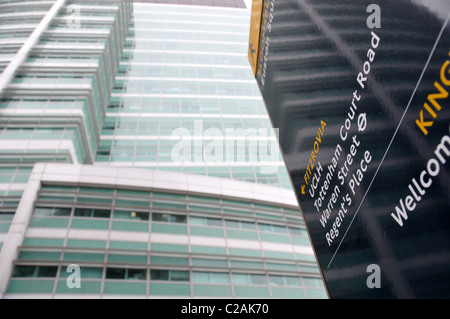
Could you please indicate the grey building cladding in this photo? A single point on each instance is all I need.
(354, 104)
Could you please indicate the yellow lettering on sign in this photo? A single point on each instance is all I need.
(255, 28)
(436, 100)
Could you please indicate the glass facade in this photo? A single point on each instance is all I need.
(138, 266)
(186, 67)
(136, 145)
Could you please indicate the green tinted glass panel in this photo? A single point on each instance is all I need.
(205, 209)
(316, 293)
(269, 216)
(169, 247)
(205, 199)
(267, 207)
(309, 269)
(49, 222)
(208, 250)
(162, 260)
(273, 266)
(303, 257)
(32, 255)
(132, 193)
(83, 257)
(288, 293)
(247, 264)
(232, 202)
(43, 242)
(128, 245)
(312, 282)
(251, 292)
(86, 287)
(56, 199)
(132, 259)
(4, 227)
(125, 288)
(169, 206)
(209, 262)
(85, 272)
(86, 243)
(242, 234)
(169, 229)
(171, 196)
(169, 289)
(96, 190)
(106, 201)
(245, 252)
(90, 224)
(275, 254)
(237, 212)
(124, 202)
(130, 226)
(30, 286)
(131, 215)
(275, 238)
(303, 241)
(212, 290)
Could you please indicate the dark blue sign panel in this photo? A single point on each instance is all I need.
(360, 93)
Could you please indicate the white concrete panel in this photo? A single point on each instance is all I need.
(129, 236)
(134, 174)
(169, 239)
(128, 182)
(96, 180)
(207, 241)
(90, 170)
(244, 244)
(40, 232)
(129, 177)
(55, 178)
(303, 250)
(88, 234)
(277, 247)
(62, 169)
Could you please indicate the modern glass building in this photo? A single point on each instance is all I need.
(134, 144)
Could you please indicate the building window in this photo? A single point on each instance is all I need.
(271, 228)
(52, 211)
(211, 277)
(130, 215)
(126, 273)
(284, 280)
(169, 275)
(240, 224)
(249, 279)
(92, 212)
(168, 218)
(35, 271)
(205, 221)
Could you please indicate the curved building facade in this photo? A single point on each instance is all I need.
(140, 233)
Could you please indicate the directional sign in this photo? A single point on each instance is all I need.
(360, 93)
